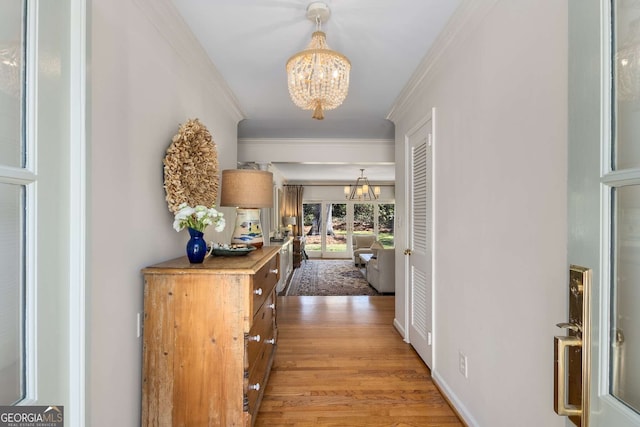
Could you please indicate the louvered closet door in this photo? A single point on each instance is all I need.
(420, 241)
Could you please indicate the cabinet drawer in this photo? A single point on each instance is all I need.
(258, 378)
(263, 323)
(264, 281)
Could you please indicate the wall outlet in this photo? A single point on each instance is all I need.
(463, 364)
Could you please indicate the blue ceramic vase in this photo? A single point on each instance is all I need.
(196, 246)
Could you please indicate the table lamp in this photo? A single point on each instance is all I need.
(290, 221)
(247, 190)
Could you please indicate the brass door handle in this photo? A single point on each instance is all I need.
(560, 376)
(408, 251)
(572, 327)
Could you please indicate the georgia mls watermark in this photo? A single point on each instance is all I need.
(31, 416)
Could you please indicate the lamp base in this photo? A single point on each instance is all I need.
(248, 229)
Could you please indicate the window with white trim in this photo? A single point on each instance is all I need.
(17, 182)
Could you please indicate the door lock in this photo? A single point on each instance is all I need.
(571, 352)
(408, 251)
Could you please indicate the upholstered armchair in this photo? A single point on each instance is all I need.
(362, 245)
(381, 271)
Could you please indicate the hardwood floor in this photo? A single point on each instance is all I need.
(340, 362)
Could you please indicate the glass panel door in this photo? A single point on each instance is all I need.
(312, 228)
(16, 187)
(386, 221)
(335, 242)
(363, 219)
(615, 349)
(624, 366)
(624, 192)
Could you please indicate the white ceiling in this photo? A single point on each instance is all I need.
(249, 42)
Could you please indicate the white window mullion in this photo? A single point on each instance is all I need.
(76, 414)
(31, 165)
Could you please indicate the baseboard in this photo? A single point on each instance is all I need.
(285, 289)
(453, 400)
(400, 329)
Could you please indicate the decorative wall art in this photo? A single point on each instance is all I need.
(191, 167)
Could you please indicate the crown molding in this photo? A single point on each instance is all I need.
(316, 141)
(461, 24)
(164, 16)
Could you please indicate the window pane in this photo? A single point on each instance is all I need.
(625, 310)
(626, 85)
(11, 83)
(336, 227)
(11, 300)
(363, 218)
(312, 213)
(386, 218)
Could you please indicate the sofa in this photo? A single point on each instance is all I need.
(381, 271)
(361, 244)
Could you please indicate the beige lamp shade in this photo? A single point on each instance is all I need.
(290, 220)
(246, 188)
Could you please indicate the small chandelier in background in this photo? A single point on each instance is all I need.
(362, 190)
(318, 77)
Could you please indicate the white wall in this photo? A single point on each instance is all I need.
(147, 75)
(318, 149)
(499, 86)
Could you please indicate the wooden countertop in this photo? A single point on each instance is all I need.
(247, 264)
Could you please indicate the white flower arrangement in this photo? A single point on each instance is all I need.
(198, 218)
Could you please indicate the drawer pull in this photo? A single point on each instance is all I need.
(255, 338)
(255, 387)
(274, 271)
(272, 306)
(258, 291)
(270, 341)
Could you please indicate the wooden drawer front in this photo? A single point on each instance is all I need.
(264, 281)
(258, 374)
(262, 326)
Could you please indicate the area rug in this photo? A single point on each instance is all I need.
(328, 278)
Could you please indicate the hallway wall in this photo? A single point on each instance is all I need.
(147, 76)
(498, 81)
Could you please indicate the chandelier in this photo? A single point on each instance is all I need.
(361, 190)
(318, 77)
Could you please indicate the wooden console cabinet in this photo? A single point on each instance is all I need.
(298, 251)
(210, 336)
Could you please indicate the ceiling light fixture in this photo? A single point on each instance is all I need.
(362, 190)
(318, 77)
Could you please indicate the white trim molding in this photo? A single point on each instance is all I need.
(76, 414)
(460, 407)
(167, 20)
(318, 151)
(460, 24)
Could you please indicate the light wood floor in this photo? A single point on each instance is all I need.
(340, 362)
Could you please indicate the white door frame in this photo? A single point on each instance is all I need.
(590, 213)
(604, 408)
(430, 335)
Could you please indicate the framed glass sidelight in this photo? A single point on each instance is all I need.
(622, 185)
(16, 189)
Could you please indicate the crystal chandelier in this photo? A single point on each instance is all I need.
(362, 190)
(318, 77)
